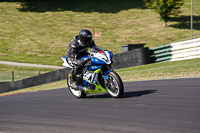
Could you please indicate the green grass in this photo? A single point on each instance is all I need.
(50, 86)
(6, 76)
(40, 31)
(177, 69)
(20, 72)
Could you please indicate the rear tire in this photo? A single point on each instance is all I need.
(115, 86)
(76, 93)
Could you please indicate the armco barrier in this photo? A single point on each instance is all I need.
(189, 49)
(34, 81)
(134, 57)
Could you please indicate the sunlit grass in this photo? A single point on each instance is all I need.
(42, 36)
(7, 72)
(176, 69)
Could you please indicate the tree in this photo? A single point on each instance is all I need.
(165, 8)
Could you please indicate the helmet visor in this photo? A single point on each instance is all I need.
(87, 40)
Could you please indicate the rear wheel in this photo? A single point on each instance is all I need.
(76, 93)
(115, 85)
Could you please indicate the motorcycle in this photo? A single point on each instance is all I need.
(97, 76)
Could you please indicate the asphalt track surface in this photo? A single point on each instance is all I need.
(160, 106)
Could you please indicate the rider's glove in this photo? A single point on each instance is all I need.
(83, 62)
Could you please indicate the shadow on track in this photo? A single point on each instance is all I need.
(138, 93)
(126, 94)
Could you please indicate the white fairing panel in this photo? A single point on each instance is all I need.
(65, 62)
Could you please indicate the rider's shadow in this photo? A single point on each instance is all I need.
(126, 94)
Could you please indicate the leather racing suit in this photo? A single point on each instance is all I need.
(75, 51)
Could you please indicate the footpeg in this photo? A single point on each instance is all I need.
(76, 87)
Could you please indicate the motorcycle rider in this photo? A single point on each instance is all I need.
(78, 48)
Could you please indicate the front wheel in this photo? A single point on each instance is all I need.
(115, 85)
(76, 93)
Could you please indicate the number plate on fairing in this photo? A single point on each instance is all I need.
(90, 77)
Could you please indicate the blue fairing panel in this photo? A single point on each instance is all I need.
(84, 82)
(94, 68)
(106, 77)
(107, 71)
(97, 62)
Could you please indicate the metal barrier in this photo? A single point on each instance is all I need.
(189, 49)
(34, 81)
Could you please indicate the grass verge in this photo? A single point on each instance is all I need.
(176, 69)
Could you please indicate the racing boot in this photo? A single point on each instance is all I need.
(76, 85)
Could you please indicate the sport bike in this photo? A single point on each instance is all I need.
(97, 75)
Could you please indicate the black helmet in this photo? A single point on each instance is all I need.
(85, 36)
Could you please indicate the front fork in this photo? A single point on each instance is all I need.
(106, 77)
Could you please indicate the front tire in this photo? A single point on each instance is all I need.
(76, 93)
(115, 86)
